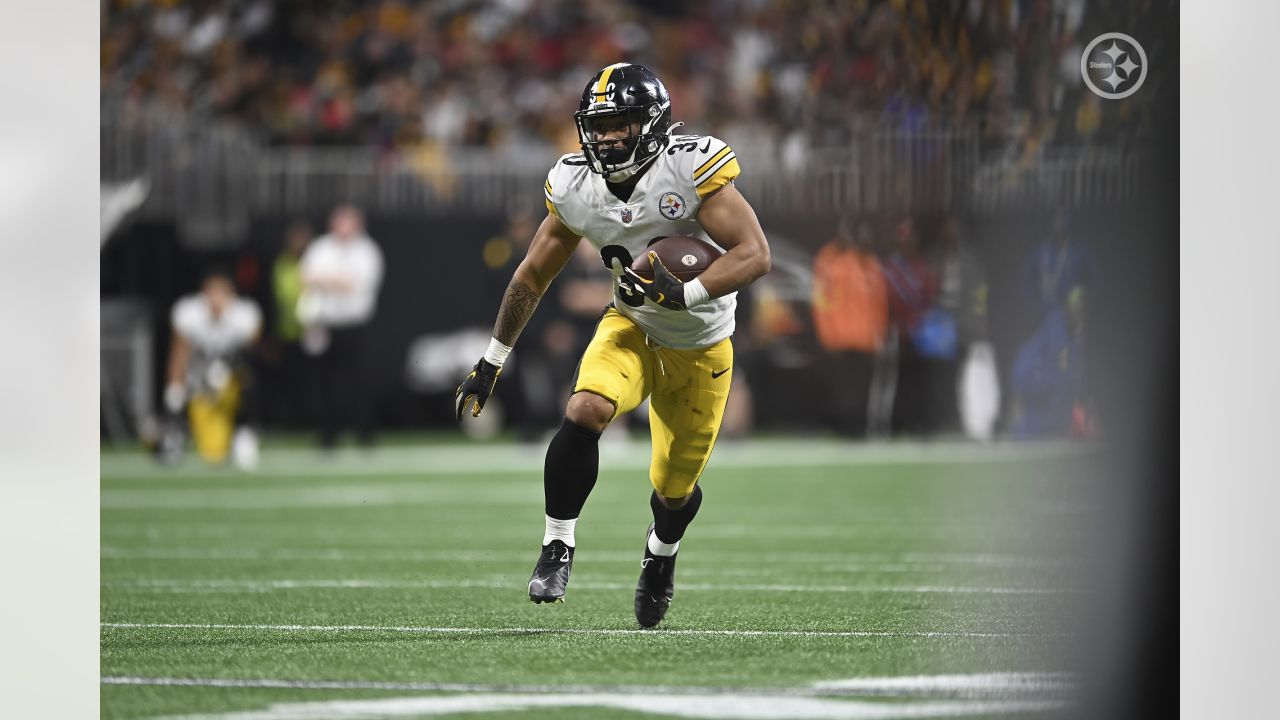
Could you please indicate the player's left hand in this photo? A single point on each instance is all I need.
(628, 290)
(664, 289)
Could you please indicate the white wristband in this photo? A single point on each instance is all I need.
(174, 396)
(694, 293)
(497, 352)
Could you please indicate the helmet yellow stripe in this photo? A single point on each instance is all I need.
(602, 86)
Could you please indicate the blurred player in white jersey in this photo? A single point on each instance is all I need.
(209, 374)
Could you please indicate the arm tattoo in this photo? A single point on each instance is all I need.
(518, 304)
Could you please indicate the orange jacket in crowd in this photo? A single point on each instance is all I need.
(850, 299)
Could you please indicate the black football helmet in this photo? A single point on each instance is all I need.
(633, 99)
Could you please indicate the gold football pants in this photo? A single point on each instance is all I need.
(687, 391)
(212, 418)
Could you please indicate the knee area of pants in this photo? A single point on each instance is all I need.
(590, 411)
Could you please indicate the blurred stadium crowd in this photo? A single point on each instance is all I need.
(911, 317)
(499, 73)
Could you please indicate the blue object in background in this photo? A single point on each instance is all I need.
(935, 336)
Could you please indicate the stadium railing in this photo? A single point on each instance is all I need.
(212, 175)
(1070, 177)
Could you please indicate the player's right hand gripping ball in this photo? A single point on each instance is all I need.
(665, 289)
(478, 386)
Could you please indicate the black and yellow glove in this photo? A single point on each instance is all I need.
(664, 289)
(478, 386)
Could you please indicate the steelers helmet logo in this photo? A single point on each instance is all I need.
(672, 206)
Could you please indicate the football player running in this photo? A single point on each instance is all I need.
(663, 339)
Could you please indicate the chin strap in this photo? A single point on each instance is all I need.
(627, 173)
(624, 174)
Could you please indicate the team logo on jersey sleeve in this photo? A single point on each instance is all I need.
(672, 206)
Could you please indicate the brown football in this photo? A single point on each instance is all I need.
(686, 257)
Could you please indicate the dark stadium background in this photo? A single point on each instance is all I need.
(437, 281)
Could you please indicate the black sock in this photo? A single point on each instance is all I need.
(573, 461)
(669, 525)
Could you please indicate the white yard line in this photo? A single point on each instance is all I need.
(905, 561)
(686, 706)
(323, 496)
(426, 630)
(725, 707)
(991, 685)
(464, 458)
(1003, 684)
(361, 492)
(269, 585)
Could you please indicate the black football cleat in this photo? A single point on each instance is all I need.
(551, 574)
(656, 587)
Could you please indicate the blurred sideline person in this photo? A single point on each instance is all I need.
(341, 276)
(960, 313)
(287, 363)
(962, 294)
(662, 339)
(1057, 265)
(913, 287)
(962, 282)
(209, 372)
(1050, 395)
(850, 316)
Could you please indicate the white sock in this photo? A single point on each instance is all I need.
(561, 530)
(657, 547)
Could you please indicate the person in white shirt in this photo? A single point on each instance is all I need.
(209, 372)
(341, 276)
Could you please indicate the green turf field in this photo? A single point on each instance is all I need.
(820, 580)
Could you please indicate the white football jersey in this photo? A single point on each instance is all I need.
(209, 336)
(665, 202)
